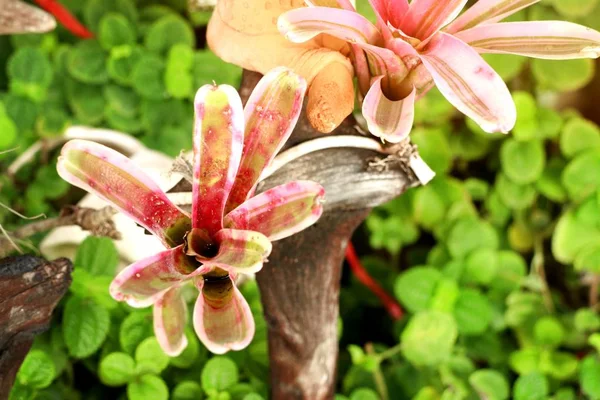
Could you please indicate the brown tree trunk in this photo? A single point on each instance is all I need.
(301, 282)
(30, 289)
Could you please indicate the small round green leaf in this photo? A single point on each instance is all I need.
(218, 374)
(85, 326)
(87, 63)
(148, 387)
(136, 327)
(472, 312)
(490, 384)
(415, 287)
(533, 386)
(563, 75)
(469, 234)
(30, 73)
(527, 126)
(429, 338)
(150, 357)
(167, 32)
(115, 30)
(579, 135)
(116, 369)
(481, 266)
(589, 376)
(523, 162)
(434, 148)
(364, 394)
(549, 332)
(37, 370)
(187, 390)
(580, 176)
(515, 196)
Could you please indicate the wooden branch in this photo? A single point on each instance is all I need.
(30, 289)
(98, 222)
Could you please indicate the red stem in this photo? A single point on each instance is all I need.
(67, 19)
(391, 305)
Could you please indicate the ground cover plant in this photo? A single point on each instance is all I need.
(494, 263)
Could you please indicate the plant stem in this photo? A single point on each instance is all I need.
(389, 353)
(594, 291)
(537, 268)
(378, 375)
(390, 304)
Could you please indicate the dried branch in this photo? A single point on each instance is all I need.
(98, 222)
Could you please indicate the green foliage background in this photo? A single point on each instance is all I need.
(493, 262)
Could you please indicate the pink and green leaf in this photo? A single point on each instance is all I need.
(469, 83)
(425, 17)
(218, 143)
(487, 11)
(144, 281)
(113, 177)
(222, 318)
(170, 320)
(554, 40)
(390, 120)
(302, 24)
(280, 211)
(271, 114)
(239, 251)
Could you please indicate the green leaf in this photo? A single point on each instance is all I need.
(586, 320)
(253, 396)
(150, 357)
(181, 58)
(478, 189)
(580, 177)
(511, 271)
(52, 123)
(550, 123)
(588, 259)
(121, 63)
(549, 332)
(179, 83)
(508, 66)
(515, 196)
(429, 208)
(526, 127)
(115, 30)
(429, 338)
(574, 8)
(559, 365)
(565, 394)
(37, 370)
(9, 131)
(85, 326)
(148, 387)
(21, 110)
(523, 162)
(116, 369)
(218, 374)
(533, 386)
(86, 101)
(525, 361)
(364, 394)
(578, 136)
(481, 266)
(86, 62)
(445, 296)
(86, 285)
(30, 73)
(576, 230)
(472, 312)
(134, 329)
(187, 390)
(434, 148)
(469, 234)
(550, 184)
(416, 286)
(589, 376)
(209, 67)
(563, 75)
(470, 146)
(98, 256)
(95, 10)
(490, 384)
(122, 100)
(167, 32)
(147, 77)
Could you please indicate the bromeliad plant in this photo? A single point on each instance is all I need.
(418, 45)
(230, 228)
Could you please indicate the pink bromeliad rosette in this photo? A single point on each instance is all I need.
(230, 228)
(425, 43)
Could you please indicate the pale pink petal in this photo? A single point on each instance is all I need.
(271, 114)
(302, 24)
(218, 142)
(426, 17)
(392, 11)
(361, 69)
(222, 318)
(469, 83)
(238, 251)
(170, 319)
(281, 211)
(388, 119)
(113, 177)
(384, 62)
(553, 40)
(487, 11)
(143, 282)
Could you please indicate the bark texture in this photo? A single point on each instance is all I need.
(30, 289)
